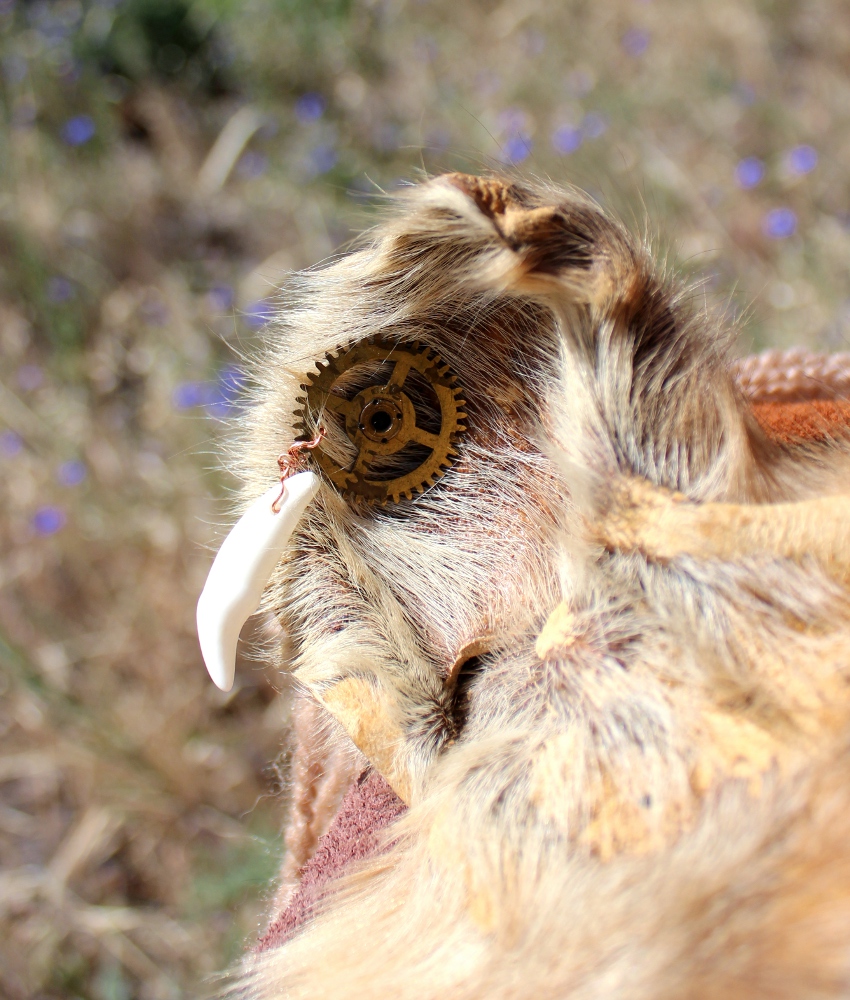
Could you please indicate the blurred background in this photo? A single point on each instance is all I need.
(163, 165)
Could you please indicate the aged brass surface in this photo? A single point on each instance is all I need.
(382, 420)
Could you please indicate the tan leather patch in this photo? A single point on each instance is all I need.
(363, 711)
(557, 634)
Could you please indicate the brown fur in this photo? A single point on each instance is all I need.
(644, 790)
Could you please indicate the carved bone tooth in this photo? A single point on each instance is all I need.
(242, 569)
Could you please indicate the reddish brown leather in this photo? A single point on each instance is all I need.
(815, 420)
(369, 806)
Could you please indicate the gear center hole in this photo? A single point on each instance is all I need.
(381, 421)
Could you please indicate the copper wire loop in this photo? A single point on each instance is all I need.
(290, 462)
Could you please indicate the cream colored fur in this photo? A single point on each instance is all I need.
(654, 801)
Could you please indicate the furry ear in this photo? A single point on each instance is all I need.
(571, 241)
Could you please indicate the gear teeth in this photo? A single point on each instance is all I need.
(319, 384)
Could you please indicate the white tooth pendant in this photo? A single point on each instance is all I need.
(242, 569)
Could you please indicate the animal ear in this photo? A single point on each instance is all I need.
(571, 241)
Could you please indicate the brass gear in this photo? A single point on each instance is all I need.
(381, 420)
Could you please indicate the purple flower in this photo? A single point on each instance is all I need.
(48, 520)
(71, 473)
(218, 397)
(779, 223)
(566, 139)
(220, 298)
(309, 108)
(749, 173)
(60, 290)
(635, 41)
(802, 159)
(322, 159)
(258, 313)
(231, 382)
(10, 444)
(226, 392)
(516, 149)
(78, 130)
(189, 394)
(30, 377)
(594, 125)
(252, 165)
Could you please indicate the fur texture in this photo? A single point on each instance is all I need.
(640, 789)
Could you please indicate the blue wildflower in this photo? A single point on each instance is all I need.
(635, 41)
(258, 313)
(60, 290)
(189, 394)
(220, 297)
(11, 444)
(566, 139)
(322, 159)
(309, 108)
(48, 520)
(78, 130)
(749, 173)
(516, 149)
(779, 223)
(594, 125)
(71, 473)
(802, 159)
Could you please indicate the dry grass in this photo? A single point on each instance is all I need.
(149, 203)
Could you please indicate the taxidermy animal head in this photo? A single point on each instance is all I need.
(551, 578)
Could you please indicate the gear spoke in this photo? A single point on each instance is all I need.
(400, 371)
(338, 404)
(420, 436)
